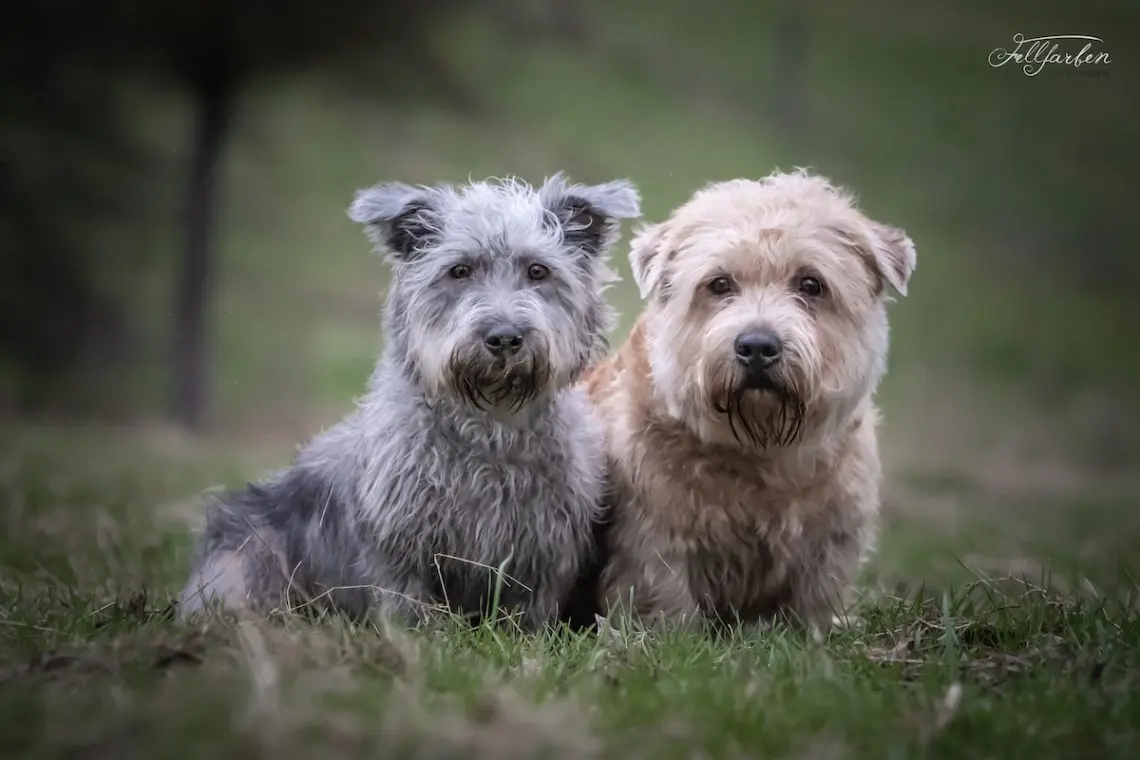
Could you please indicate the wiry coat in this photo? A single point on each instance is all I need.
(746, 489)
(456, 462)
(706, 530)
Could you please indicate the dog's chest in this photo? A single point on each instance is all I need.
(472, 504)
(737, 536)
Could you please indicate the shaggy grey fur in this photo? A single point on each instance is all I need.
(461, 456)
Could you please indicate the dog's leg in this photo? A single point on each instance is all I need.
(545, 604)
(238, 571)
(820, 591)
(405, 598)
(219, 580)
(649, 591)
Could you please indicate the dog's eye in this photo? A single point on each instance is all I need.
(460, 271)
(720, 286)
(537, 272)
(810, 286)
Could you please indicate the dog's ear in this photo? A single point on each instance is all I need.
(589, 214)
(646, 258)
(893, 254)
(399, 219)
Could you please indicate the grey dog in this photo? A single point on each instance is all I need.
(471, 452)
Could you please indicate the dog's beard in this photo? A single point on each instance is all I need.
(762, 413)
(498, 384)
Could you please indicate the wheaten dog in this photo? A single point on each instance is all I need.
(741, 426)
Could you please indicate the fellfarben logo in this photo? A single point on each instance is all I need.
(1033, 54)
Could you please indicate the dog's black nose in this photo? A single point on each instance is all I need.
(758, 349)
(503, 340)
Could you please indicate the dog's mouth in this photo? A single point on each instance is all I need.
(504, 385)
(762, 412)
(764, 382)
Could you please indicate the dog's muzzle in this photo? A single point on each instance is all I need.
(502, 366)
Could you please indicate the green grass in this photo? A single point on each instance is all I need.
(948, 658)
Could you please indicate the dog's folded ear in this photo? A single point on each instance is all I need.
(893, 253)
(646, 259)
(399, 219)
(589, 214)
(887, 251)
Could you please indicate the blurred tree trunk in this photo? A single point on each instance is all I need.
(789, 47)
(214, 92)
(568, 20)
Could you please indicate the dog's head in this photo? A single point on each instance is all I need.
(497, 290)
(766, 319)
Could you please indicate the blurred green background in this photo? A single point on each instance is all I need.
(1014, 358)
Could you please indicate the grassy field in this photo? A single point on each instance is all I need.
(991, 625)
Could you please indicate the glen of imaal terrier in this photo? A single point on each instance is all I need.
(473, 450)
(739, 412)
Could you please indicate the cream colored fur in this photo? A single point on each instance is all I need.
(707, 521)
